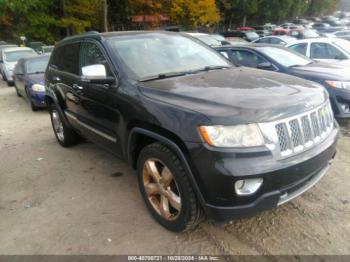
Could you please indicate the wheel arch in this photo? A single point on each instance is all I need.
(142, 136)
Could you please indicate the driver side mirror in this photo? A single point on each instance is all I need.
(266, 66)
(97, 74)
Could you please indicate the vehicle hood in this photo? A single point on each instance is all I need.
(323, 71)
(238, 95)
(36, 79)
(334, 61)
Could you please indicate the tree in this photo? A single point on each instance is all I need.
(194, 13)
(81, 15)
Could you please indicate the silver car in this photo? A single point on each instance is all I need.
(8, 59)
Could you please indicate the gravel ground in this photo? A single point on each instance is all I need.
(84, 201)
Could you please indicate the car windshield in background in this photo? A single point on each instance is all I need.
(343, 44)
(14, 56)
(37, 66)
(152, 55)
(285, 57)
(48, 49)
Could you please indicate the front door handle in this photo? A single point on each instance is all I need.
(77, 87)
(56, 79)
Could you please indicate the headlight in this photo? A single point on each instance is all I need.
(339, 84)
(232, 136)
(38, 88)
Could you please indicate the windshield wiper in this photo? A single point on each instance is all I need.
(162, 76)
(176, 74)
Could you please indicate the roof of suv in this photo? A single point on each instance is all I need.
(99, 36)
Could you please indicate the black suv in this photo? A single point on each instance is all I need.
(204, 136)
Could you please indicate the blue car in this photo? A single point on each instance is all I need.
(29, 80)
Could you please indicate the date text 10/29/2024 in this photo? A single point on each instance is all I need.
(173, 258)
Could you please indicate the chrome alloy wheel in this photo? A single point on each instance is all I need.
(161, 189)
(57, 125)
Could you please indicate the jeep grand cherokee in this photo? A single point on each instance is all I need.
(205, 137)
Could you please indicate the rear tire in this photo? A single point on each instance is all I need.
(65, 136)
(166, 189)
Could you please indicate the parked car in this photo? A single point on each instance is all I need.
(8, 59)
(1, 63)
(280, 31)
(327, 28)
(210, 39)
(46, 49)
(36, 46)
(332, 50)
(276, 40)
(29, 80)
(303, 34)
(262, 31)
(345, 34)
(246, 35)
(202, 134)
(3, 43)
(335, 78)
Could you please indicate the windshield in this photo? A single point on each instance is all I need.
(14, 56)
(343, 44)
(284, 57)
(148, 55)
(36, 66)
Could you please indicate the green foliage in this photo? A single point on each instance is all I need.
(194, 13)
(51, 20)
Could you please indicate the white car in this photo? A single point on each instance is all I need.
(332, 50)
(8, 59)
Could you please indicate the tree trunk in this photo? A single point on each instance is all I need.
(244, 20)
(104, 15)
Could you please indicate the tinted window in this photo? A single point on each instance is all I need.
(247, 58)
(91, 54)
(66, 58)
(325, 51)
(300, 48)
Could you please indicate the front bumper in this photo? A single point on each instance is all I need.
(216, 173)
(38, 98)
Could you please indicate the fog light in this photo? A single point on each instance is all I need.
(345, 108)
(248, 187)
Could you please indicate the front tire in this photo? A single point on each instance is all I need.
(65, 136)
(17, 92)
(166, 189)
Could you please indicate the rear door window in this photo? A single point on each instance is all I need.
(325, 51)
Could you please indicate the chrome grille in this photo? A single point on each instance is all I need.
(299, 133)
(282, 134)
